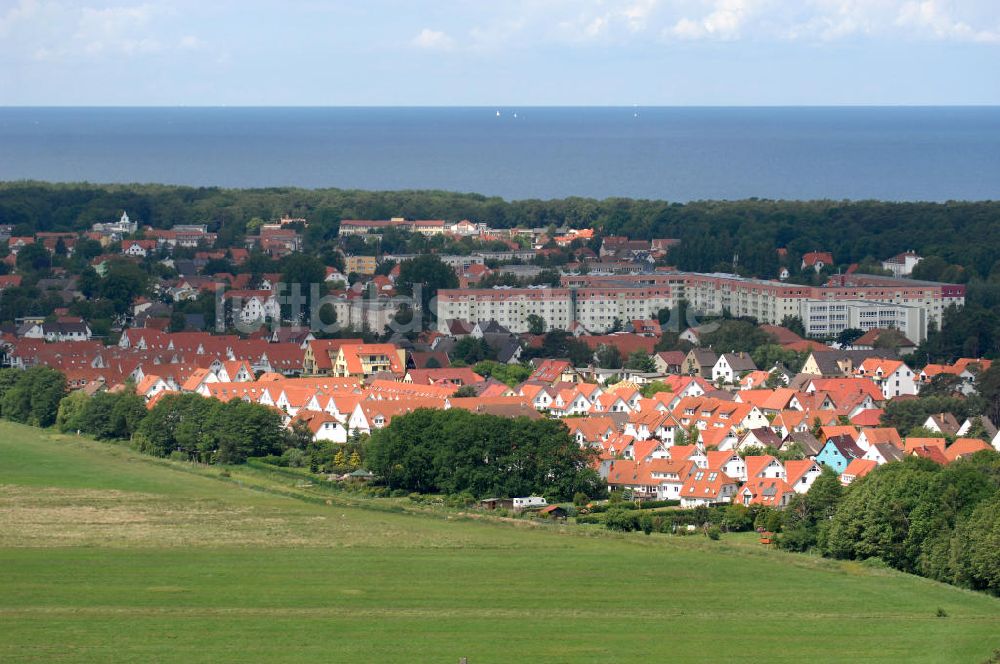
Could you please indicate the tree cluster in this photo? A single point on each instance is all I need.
(209, 430)
(187, 426)
(105, 416)
(32, 396)
(919, 517)
(562, 345)
(906, 415)
(511, 374)
(942, 522)
(455, 451)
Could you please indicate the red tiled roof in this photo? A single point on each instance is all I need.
(964, 447)
(858, 468)
(935, 454)
(625, 343)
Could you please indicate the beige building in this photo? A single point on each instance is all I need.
(360, 264)
(595, 301)
(358, 314)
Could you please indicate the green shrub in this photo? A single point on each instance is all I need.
(621, 520)
(463, 499)
(875, 563)
(654, 504)
(597, 509)
(293, 458)
(736, 518)
(646, 523)
(714, 532)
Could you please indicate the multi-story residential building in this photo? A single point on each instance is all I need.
(504, 256)
(428, 227)
(454, 261)
(598, 309)
(360, 314)
(183, 235)
(360, 264)
(508, 306)
(370, 226)
(464, 262)
(595, 301)
(823, 318)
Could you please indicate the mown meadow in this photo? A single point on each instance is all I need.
(107, 555)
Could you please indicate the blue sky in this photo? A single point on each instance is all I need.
(472, 52)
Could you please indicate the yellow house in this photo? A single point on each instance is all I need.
(363, 360)
(360, 264)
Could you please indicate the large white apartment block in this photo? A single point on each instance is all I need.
(463, 262)
(595, 301)
(598, 308)
(359, 314)
(508, 306)
(829, 318)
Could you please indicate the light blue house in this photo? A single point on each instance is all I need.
(838, 452)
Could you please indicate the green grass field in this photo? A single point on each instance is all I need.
(109, 556)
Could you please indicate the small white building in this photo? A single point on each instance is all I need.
(893, 377)
(529, 503)
(901, 265)
(800, 474)
(706, 487)
(254, 306)
(730, 366)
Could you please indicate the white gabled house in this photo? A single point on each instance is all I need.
(801, 473)
(706, 487)
(324, 427)
(764, 467)
(541, 397)
(569, 403)
(730, 366)
(729, 462)
(892, 376)
(883, 453)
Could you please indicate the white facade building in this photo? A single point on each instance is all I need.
(902, 265)
(827, 318)
(595, 301)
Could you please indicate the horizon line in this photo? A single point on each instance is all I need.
(493, 106)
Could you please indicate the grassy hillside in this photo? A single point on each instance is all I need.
(108, 556)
